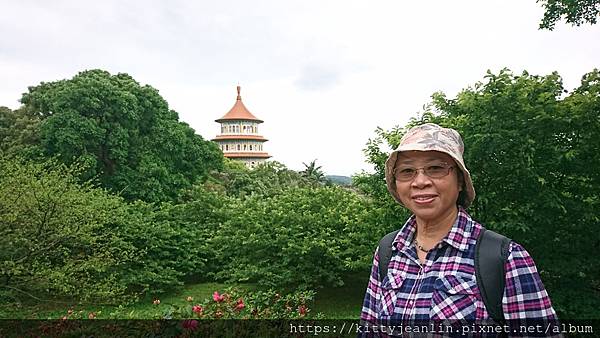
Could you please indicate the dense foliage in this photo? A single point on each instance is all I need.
(266, 179)
(532, 152)
(306, 237)
(575, 12)
(56, 234)
(19, 133)
(74, 239)
(96, 201)
(125, 133)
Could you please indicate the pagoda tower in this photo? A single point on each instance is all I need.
(239, 138)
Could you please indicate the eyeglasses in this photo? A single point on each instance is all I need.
(434, 171)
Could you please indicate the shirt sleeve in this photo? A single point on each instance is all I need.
(525, 300)
(368, 315)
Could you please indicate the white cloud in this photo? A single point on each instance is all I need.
(322, 75)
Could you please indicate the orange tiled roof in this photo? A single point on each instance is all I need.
(239, 111)
(240, 137)
(246, 154)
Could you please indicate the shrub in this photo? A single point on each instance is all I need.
(306, 237)
(56, 233)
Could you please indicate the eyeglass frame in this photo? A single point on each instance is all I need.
(447, 166)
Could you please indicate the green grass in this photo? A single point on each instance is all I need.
(336, 303)
(344, 302)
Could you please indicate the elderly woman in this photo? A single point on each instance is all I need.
(431, 274)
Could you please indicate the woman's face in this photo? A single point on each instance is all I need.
(430, 199)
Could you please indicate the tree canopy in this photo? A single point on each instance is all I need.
(19, 132)
(575, 12)
(313, 172)
(124, 132)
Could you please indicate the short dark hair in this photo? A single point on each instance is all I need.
(462, 195)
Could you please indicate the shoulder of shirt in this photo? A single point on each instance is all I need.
(465, 232)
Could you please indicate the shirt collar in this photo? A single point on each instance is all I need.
(458, 236)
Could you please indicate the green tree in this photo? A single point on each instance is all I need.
(173, 242)
(266, 179)
(57, 235)
(125, 133)
(307, 237)
(313, 172)
(19, 133)
(575, 12)
(390, 215)
(61, 237)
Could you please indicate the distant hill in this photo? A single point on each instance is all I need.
(339, 180)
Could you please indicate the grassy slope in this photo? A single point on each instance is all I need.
(340, 303)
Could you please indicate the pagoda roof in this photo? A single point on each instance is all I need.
(246, 155)
(239, 111)
(241, 137)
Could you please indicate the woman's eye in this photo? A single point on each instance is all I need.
(435, 167)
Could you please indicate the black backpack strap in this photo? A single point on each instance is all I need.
(385, 253)
(491, 253)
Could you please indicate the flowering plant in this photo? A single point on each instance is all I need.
(236, 304)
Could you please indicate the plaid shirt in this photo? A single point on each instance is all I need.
(444, 288)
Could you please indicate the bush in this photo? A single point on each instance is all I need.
(56, 233)
(173, 241)
(306, 237)
(66, 238)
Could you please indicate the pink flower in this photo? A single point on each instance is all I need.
(197, 309)
(217, 297)
(302, 310)
(190, 324)
(240, 304)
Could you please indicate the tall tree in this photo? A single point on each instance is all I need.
(19, 132)
(125, 133)
(575, 12)
(313, 172)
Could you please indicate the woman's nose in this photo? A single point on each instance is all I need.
(420, 178)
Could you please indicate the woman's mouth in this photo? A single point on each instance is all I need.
(424, 199)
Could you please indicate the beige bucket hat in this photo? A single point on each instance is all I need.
(431, 137)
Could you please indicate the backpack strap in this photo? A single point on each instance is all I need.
(491, 253)
(385, 253)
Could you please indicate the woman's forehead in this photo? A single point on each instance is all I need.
(423, 156)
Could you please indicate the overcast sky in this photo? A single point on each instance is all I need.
(321, 74)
